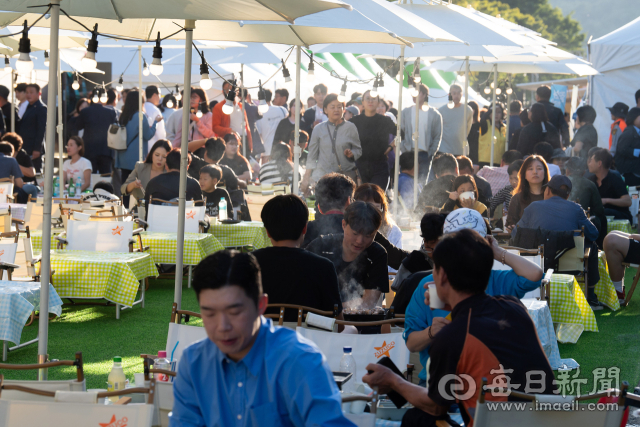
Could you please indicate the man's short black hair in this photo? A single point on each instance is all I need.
(111, 96)
(36, 86)
(150, 91)
(103, 185)
(229, 268)
(6, 148)
(543, 149)
(22, 87)
(511, 156)
(320, 87)
(443, 163)
(575, 166)
(363, 217)
(515, 107)
(637, 96)
(407, 161)
(13, 139)
(333, 191)
(268, 95)
(285, 217)
(586, 114)
(173, 159)
(283, 92)
(544, 93)
(464, 163)
(214, 171)
(431, 226)
(467, 259)
(214, 147)
(602, 155)
(515, 166)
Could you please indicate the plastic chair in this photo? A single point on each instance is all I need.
(164, 219)
(537, 257)
(8, 250)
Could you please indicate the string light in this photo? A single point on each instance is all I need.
(285, 73)
(178, 95)
(169, 103)
(414, 92)
(509, 90)
(492, 85)
(46, 58)
(263, 107)
(199, 113)
(425, 105)
(24, 64)
(145, 69)
(487, 90)
(120, 86)
(95, 98)
(227, 108)
(311, 74)
(76, 84)
(89, 61)
(205, 81)
(374, 91)
(103, 96)
(156, 65)
(450, 104)
(343, 91)
(498, 91)
(417, 78)
(7, 64)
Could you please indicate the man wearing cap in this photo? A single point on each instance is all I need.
(618, 114)
(350, 112)
(5, 109)
(559, 158)
(557, 213)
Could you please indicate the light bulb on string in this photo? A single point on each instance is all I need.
(414, 92)
(425, 105)
(103, 95)
(498, 91)
(178, 94)
(450, 104)
(145, 68)
(156, 65)
(169, 104)
(509, 90)
(487, 90)
(263, 107)
(7, 64)
(95, 98)
(205, 81)
(76, 84)
(199, 114)
(227, 108)
(46, 58)
(89, 60)
(492, 85)
(311, 73)
(285, 73)
(343, 92)
(417, 78)
(120, 86)
(24, 64)
(374, 91)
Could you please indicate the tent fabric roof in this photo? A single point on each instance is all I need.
(618, 49)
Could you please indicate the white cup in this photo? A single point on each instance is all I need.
(434, 300)
(467, 195)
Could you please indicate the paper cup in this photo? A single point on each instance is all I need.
(434, 300)
(467, 195)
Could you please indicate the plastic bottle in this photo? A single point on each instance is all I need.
(162, 363)
(116, 380)
(79, 187)
(72, 188)
(348, 364)
(56, 187)
(222, 209)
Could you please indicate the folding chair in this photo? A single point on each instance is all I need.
(575, 261)
(78, 384)
(163, 403)
(6, 189)
(77, 408)
(7, 222)
(633, 284)
(549, 410)
(301, 311)
(537, 257)
(8, 250)
(164, 218)
(105, 236)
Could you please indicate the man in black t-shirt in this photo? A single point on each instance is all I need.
(488, 337)
(213, 152)
(613, 191)
(166, 186)
(587, 136)
(210, 175)
(291, 275)
(360, 262)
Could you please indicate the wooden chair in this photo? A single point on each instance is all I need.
(538, 258)
(575, 261)
(8, 251)
(301, 311)
(6, 190)
(633, 284)
(163, 403)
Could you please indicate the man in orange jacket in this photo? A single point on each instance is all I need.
(618, 114)
(221, 122)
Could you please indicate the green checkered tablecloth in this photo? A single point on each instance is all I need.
(570, 311)
(197, 246)
(604, 288)
(36, 239)
(108, 275)
(242, 234)
(619, 225)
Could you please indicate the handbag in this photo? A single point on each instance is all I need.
(117, 137)
(353, 173)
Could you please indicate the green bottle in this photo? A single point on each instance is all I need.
(72, 188)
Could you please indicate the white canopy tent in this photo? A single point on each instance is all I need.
(617, 57)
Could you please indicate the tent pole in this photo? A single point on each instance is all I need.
(242, 110)
(189, 25)
(296, 133)
(60, 130)
(140, 90)
(14, 103)
(416, 141)
(493, 113)
(508, 118)
(396, 169)
(467, 149)
(45, 263)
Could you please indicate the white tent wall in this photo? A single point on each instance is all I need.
(617, 57)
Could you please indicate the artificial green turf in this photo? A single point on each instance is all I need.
(96, 332)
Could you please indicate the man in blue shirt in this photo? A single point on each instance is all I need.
(556, 213)
(422, 322)
(10, 167)
(248, 372)
(405, 179)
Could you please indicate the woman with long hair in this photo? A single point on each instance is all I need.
(539, 130)
(232, 157)
(464, 184)
(286, 125)
(126, 160)
(474, 132)
(280, 167)
(533, 174)
(72, 127)
(76, 166)
(201, 119)
(484, 141)
(154, 165)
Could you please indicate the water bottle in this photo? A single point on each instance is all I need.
(72, 188)
(56, 187)
(116, 380)
(79, 186)
(348, 364)
(162, 363)
(222, 209)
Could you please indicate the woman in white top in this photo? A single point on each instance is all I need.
(77, 166)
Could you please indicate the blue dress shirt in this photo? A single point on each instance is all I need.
(284, 380)
(127, 159)
(419, 316)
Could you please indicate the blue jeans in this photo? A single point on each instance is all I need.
(26, 191)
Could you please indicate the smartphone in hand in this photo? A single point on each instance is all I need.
(393, 395)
